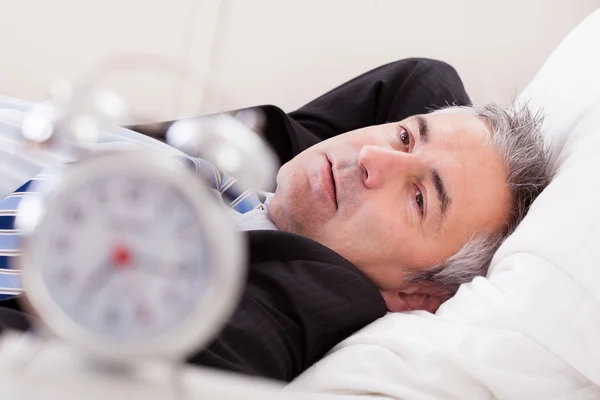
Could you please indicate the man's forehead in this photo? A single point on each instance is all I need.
(462, 125)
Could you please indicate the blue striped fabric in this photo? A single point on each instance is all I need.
(10, 285)
(17, 165)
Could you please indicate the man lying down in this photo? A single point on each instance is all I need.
(381, 205)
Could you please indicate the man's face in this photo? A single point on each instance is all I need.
(396, 197)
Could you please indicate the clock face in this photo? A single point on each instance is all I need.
(123, 255)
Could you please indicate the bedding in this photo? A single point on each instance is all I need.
(531, 329)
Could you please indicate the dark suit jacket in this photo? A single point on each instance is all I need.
(302, 298)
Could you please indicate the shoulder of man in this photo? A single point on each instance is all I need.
(301, 299)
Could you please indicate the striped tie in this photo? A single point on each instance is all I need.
(238, 198)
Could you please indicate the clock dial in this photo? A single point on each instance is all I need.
(124, 256)
(128, 255)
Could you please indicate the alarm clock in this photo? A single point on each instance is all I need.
(127, 255)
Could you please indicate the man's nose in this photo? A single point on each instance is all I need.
(380, 165)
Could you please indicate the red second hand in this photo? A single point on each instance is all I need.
(121, 257)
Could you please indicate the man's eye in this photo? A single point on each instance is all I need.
(420, 203)
(404, 137)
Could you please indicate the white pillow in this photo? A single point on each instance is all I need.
(531, 330)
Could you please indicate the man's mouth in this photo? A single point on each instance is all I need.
(332, 186)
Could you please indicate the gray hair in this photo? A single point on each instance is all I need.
(517, 134)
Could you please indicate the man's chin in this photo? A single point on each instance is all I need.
(275, 214)
(296, 223)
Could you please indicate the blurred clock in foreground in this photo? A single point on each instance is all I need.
(125, 254)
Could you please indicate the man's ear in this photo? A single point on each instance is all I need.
(419, 296)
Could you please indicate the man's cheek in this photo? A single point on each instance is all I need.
(286, 209)
(378, 227)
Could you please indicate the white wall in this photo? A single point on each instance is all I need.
(278, 51)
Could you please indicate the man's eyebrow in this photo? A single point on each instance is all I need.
(423, 128)
(440, 189)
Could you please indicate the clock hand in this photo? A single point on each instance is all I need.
(119, 259)
(125, 260)
(95, 281)
(156, 263)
